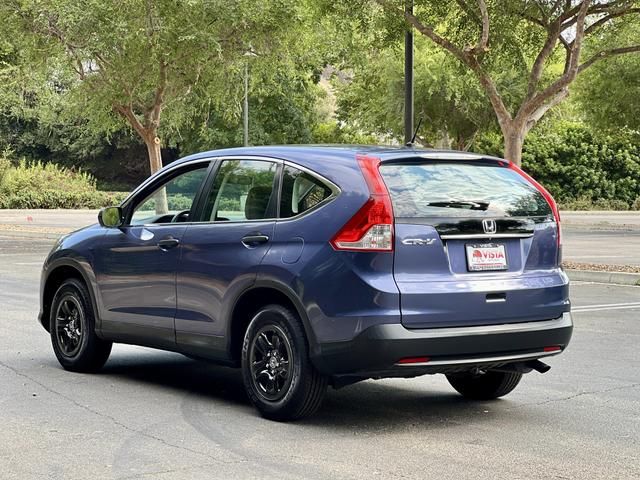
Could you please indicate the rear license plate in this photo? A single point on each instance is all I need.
(486, 256)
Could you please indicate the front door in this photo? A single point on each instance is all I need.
(136, 267)
(221, 254)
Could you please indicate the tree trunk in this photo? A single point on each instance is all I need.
(153, 149)
(513, 141)
(155, 164)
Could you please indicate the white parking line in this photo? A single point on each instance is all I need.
(569, 257)
(620, 285)
(607, 306)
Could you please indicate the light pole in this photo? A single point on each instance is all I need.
(408, 78)
(245, 108)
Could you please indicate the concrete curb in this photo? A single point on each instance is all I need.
(618, 278)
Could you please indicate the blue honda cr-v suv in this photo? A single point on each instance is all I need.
(310, 266)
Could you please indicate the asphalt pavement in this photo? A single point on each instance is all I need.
(600, 246)
(159, 415)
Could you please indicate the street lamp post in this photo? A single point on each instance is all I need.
(245, 107)
(408, 78)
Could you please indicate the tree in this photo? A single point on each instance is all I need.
(609, 93)
(453, 107)
(142, 61)
(532, 36)
(284, 96)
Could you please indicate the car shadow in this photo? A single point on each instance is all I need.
(367, 405)
(182, 374)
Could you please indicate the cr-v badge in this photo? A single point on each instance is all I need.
(418, 241)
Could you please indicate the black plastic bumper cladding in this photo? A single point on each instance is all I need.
(375, 351)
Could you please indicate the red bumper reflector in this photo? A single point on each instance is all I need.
(408, 360)
(554, 348)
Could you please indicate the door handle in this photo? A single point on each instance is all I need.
(253, 240)
(168, 243)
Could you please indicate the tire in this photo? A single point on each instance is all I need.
(275, 341)
(72, 329)
(485, 386)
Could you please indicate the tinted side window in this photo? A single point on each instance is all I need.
(242, 190)
(300, 192)
(172, 197)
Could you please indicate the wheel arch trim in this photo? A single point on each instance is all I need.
(88, 277)
(287, 291)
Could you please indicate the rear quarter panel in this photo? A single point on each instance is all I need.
(342, 292)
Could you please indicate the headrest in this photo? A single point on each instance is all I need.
(257, 202)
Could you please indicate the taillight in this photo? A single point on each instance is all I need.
(371, 228)
(547, 196)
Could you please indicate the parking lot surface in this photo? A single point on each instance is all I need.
(153, 414)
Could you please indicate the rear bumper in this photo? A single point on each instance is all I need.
(376, 351)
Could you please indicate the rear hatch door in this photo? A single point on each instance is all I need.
(475, 244)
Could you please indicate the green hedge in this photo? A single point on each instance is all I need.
(176, 201)
(582, 170)
(60, 199)
(37, 185)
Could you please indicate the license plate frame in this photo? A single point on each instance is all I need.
(486, 257)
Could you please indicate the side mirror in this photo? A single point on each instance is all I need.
(110, 217)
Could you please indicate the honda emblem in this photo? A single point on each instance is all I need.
(489, 226)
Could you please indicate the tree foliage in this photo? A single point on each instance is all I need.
(609, 93)
(542, 41)
(142, 61)
(453, 106)
(578, 165)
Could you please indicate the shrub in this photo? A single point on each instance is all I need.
(581, 203)
(36, 176)
(175, 201)
(60, 199)
(4, 168)
(5, 164)
(38, 185)
(333, 132)
(580, 168)
(600, 204)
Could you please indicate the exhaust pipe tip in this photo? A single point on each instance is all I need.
(538, 366)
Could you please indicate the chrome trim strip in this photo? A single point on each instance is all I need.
(162, 171)
(473, 361)
(560, 322)
(335, 189)
(177, 164)
(463, 236)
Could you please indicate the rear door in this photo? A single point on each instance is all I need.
(221, 253)
(475, 244)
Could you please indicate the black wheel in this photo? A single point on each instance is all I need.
(484, 386)
(278, 375)
(72, 328)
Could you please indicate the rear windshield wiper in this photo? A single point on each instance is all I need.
(469, 204)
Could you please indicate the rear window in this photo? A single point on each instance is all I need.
(460, 190)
